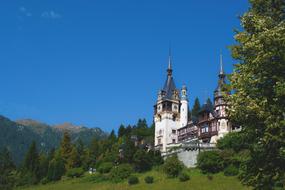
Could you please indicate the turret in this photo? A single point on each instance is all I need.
(167, 112)
(184, 107)
(223, 124)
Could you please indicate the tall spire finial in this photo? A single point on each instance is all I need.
(221, 64)
(169, 69)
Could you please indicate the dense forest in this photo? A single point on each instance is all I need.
(17, 136)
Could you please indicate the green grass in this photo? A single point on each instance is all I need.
(197, 181)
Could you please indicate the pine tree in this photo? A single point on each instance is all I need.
(31, 165)
(258, 83)
(6, 167)
(121, 131)
(74, 159)
(66, 148)
(196, 108)
(96, 150)
(43, 165)
(31, 162)
(56, 167)
(6, 162)
(129, 150)
(112, 137)
(209, 103)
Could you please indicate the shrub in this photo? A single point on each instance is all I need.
(148, 179)
(105, 167)
(142, 161)
(227, 157)
(209, 162)
(44, 181)
(75, 172)
(183, 176)
(121, 172)
(172, 166)
(133, 180)
(236, 141)
(231, 171)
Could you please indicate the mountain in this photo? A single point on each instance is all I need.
(18, 135)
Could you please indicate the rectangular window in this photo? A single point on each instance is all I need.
(173, 141)
(159, 141)
(173, 131)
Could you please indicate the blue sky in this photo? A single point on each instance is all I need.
(100, 63)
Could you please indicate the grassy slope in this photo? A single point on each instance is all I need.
(197, 182)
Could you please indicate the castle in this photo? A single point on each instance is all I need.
(173, 123)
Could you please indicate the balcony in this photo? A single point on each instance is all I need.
(208, 134)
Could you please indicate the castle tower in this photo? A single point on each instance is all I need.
(223, 124)
(184, 107)
(167, 112)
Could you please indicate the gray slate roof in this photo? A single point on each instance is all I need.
(169, 88)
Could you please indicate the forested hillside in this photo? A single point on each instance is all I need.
(17, 136)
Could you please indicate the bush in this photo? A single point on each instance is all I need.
(172, 166)
(105, 167)
(184, 176)
(133, 180)
(148, 179)
(236, 141)
(231, 171)
(75, 172)
(142, 161)
(121, 172)
(209, 162)
(44, 181)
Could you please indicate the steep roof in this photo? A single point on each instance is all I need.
(169, 85)
(222, 77)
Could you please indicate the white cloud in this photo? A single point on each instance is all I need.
(25, 12)
(51, 15)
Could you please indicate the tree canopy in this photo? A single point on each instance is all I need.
(258, 83)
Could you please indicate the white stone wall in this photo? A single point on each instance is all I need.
(189, 158)
(184, 113)
(163, 129)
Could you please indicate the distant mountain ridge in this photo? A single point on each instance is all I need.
(18, 135)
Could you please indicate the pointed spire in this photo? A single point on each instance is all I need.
(169, 69)
(221, 65)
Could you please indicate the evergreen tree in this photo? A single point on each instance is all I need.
(129, 150)
(196, 108)
(209, 103)
(80, 146)
(258, 83)
(112, 137)
(66, 148)
(6, 162)
(31, 165)
(96, 150)
(6, 167)
(56, 167)
(43, 165)
(83, 153)
(74, 159)
(31, 161)
(121, 131)
(141, 130)
(128, 131)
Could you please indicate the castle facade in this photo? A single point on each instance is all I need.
(173, 123)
